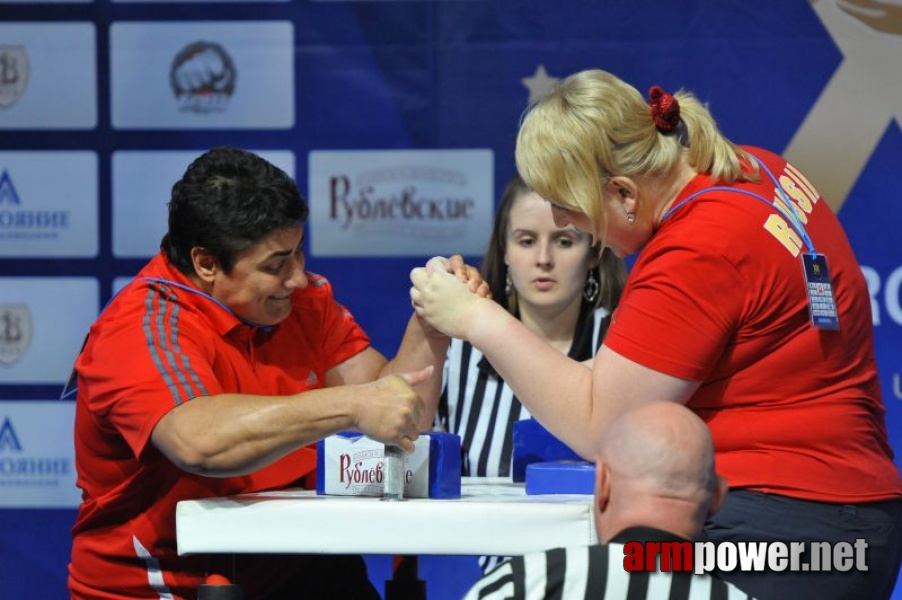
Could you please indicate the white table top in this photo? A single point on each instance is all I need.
(493, 516)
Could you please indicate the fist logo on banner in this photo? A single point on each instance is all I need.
(203, 77)
(13, 74)
(15, 332)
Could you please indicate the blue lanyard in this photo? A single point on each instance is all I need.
(792, 217)
(70, 388)
(266, 328)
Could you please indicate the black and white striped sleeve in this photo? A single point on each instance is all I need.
(593, 573)
(504, 582)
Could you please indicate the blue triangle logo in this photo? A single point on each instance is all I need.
(7, 189)
(8, 438)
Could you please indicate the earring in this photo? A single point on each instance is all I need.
(630, 218)
(590, 292)
(508, 283)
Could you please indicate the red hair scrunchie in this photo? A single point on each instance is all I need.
(665, 109)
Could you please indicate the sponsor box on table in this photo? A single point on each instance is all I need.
(350, 464)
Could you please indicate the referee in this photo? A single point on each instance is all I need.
(481, 408)
(554, 280)
(655, 482)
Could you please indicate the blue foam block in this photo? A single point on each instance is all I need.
(533, 443)
(444, 461)
(560, 477)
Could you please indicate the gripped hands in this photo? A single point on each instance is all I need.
(446, 296)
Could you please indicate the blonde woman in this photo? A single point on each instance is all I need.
(745, 303)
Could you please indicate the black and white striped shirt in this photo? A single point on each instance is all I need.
(596, 573)
(481, 408)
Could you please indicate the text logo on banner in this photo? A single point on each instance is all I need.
(400, 202)
(45, 216)
(36, 455)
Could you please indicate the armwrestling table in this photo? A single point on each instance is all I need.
(493, 516)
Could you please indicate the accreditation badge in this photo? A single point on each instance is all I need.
(821, 301)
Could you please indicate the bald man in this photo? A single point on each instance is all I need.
(655, 482)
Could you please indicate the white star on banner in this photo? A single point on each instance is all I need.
(539, 85)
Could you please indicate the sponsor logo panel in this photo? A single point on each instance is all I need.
(49, 204)
(400, 203)
(48, 76)
(37, 464)
(202, 75)
(142, 183)
(43, 324)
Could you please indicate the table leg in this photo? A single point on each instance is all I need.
(405, 584)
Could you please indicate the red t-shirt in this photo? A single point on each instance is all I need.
(718, 296)
(159, 343)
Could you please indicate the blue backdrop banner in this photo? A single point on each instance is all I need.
(398, 120)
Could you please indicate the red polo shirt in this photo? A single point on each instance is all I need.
(159, 343)
(717, 296)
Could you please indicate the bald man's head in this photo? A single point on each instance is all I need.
(657, 464)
